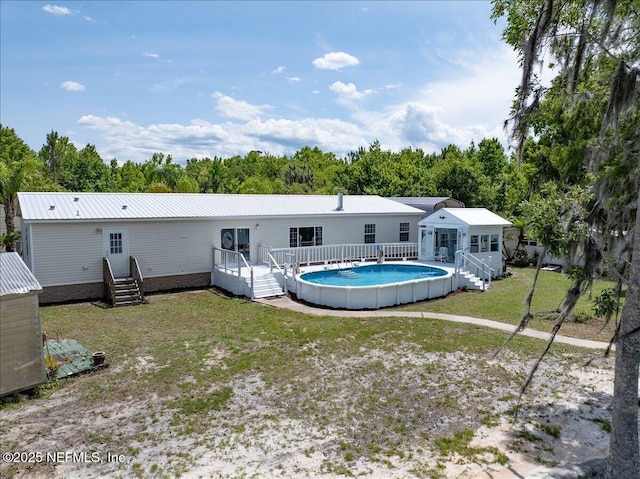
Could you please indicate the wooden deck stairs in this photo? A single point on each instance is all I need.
(123, 291)
(127, 292)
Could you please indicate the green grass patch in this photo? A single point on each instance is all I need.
(205, 403)
(504, 302)
(459, 444)
(605, 424)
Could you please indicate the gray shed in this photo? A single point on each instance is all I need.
(21, 355)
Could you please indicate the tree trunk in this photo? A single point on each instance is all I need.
(624, 448)
(9, 220)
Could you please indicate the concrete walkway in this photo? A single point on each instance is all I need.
(284, 302)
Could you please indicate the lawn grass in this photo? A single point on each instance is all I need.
(196, 359)
(178, 332)
(504, 302)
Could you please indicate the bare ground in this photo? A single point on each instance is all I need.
(379, 414)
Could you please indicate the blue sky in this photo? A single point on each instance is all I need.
(214, 78)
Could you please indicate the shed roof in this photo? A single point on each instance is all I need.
(128, 206)
(468, 216)
(15, 277)
(429, 204)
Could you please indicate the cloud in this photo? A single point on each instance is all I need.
(468, 106)
(152, 55)
(346, 91)
(72, 86)
(169, 85)
(280, 69)
(228, 107)
(335, 61)
(56, 10)
(294, 79)
(126, 140)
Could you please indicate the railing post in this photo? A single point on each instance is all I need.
(484, 276)
(252, 295)
(490, 262)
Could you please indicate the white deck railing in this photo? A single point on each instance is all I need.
(338, 252)
(465, 261)
(231, 263)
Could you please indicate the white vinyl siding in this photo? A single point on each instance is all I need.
(71, 253)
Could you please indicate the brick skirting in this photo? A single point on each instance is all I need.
(95, 291)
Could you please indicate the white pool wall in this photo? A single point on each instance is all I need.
(376, 296)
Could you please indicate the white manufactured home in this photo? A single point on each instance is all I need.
(21, 355)
(80, 245)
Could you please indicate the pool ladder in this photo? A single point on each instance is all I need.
(348, 263)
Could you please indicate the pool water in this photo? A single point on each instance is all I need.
(372, 275)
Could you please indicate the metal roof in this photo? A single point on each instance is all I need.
(15, 277)
(428, 204)
(127, 206)
(469, 216)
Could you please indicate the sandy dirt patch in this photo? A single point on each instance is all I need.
(377, 414)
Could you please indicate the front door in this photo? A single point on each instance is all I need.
(236, 239)
(116, 250)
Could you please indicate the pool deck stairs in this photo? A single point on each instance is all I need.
(266, 286)
(470, 281)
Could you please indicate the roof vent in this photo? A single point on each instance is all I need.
(75, 198)
(124, 207)
(52, 207)
(340, 200)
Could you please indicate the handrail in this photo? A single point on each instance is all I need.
(272, 262)
(225, 265)
(109, 281)
(462, 257)
(134, 269)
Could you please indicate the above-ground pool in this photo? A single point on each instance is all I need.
(373, 286)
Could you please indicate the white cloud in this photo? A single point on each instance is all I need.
(335, 61)
(293, 79)
(56, 10)
(167, 86)
(126, 140)
(470, 105)
(465, 107)
(280, 69)
(152, 55)
(72, 86)
(228, 107)
(346, 91)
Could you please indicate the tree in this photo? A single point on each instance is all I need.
(587, 121)
(17, 163)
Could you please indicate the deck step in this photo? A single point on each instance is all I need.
(127, 292)
(471, 281)
(266, 286)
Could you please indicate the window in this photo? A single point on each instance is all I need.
(370, 233)
(305, 236)
(115, 243)
(404, 231)
(474, 245)
(484, 243)
(495, 245)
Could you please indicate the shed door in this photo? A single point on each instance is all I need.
(116, 250)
